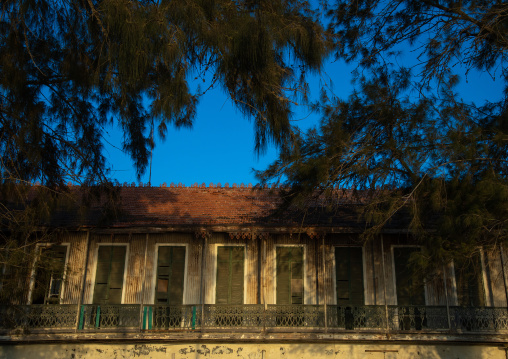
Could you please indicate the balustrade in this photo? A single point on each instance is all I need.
(254, 317)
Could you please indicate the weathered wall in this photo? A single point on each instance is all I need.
(248, 351)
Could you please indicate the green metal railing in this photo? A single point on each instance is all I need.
(254, 317)
(94, 316)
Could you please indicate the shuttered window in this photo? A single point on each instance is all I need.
(469, 280)
(349, 275)
(170, 275)
(49, 274)
(289, 275)
(109, 275)
(410, 285)
(230, 275)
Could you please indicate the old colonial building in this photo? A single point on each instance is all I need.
(206, 271)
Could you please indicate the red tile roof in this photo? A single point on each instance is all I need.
(195, 205)
(201, 206)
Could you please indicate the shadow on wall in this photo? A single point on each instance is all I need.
(249, 351)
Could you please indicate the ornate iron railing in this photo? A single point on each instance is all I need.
(253, 317)
(417, 318)
(166, 317)
(356, 317)
(486, 319)
(30, 317)
(237, 316)
(299, 316)
(95, 316)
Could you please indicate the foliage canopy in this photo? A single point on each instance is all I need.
(407, 138)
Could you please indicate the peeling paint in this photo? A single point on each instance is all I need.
(246, 351)
(204, 351)
(143, 349)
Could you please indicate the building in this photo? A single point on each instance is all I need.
(194, 272)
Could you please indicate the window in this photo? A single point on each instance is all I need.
(410, 285)
(349, 275)
(410, 290)
(109, 275)
(170, 275)
(349, 286)
(49, 274)
(289, 275)
(469, 280)
(230, 275)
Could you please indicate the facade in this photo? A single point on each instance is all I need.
(206, 271)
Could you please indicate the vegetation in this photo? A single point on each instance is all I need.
(405, 137)
(71, 67)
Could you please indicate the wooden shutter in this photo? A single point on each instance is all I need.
(109, 275)
(170, 275)
(49, 275)
(349, 275)
(289, 275)
(410, 285)
(469, 280)
(230, 275)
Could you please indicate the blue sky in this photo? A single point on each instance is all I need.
(220, 146)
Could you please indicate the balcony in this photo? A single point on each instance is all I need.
(254, 318)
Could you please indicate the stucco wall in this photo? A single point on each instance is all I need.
(248, 351)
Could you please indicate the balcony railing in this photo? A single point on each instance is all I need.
(255, 317)
(35, 316)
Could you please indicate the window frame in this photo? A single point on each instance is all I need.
(94, 269)
(304, 271)
(334, 272)
(486, 293)
(214, 269)
(154, 274)
(38, 248)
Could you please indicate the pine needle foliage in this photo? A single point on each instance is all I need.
(70, 67)
(412, 151)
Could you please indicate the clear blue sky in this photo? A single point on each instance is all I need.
(220, 146)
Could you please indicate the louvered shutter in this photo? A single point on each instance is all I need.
(349, 275)
(163, 274)
(176, 282)
(237, 275)
(109, 275)
(230, 275)
(410, 285)
(283, 276)
(296, 275)
(289, 275)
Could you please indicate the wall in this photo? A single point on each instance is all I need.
(248, 351)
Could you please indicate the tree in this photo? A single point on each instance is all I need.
(416, 152)
(68, 68)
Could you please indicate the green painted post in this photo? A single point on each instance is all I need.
(81, 317)
(98, 317)
(150, 316)
(193, 317)
(144, 318)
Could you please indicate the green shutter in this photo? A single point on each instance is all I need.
(230, 275)
(290, 275)
(469, 280)
(410, 285)
(109, 275)
(349, 275)
(49, 275)
(170, 275)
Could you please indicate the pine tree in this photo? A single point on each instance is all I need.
(69, 68)
(427, 157)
